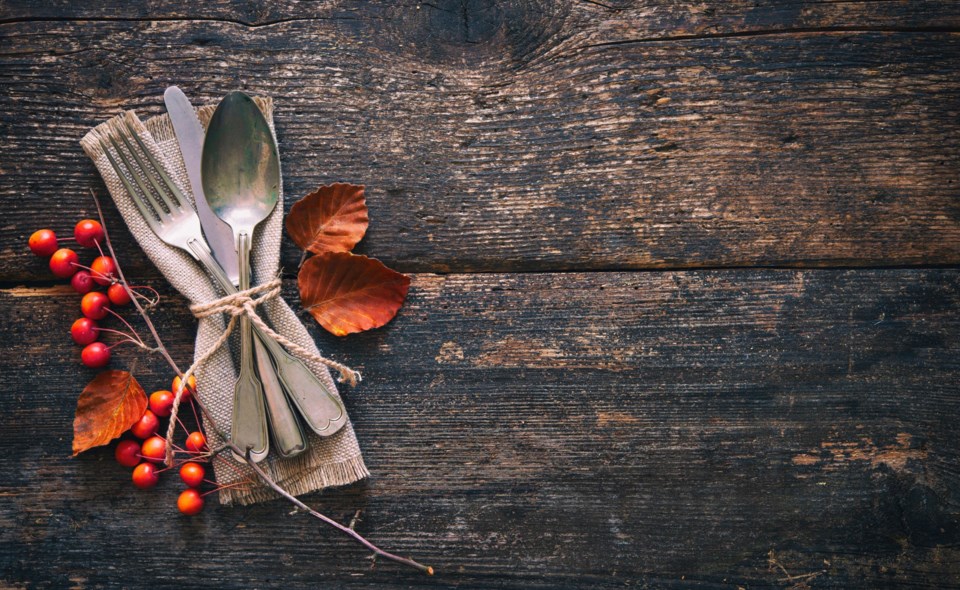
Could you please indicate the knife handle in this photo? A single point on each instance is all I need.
(322, 412)
(288, 437)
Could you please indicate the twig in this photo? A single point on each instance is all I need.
(346, 530)
(126, 287)
(240, 452)
(773, 562)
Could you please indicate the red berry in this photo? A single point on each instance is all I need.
(188, 391)
(190, 502)
(154, 449)
(192, 474)
(94, 305)
(43, 242)
(145, 476)
(161, 403)
(84, 331)
(117, 294)
(146, 426)
(63, 263)
(88, 232)
(95, 355)
(103, 269)
(196, 442)
(82, 282)
(127, 453)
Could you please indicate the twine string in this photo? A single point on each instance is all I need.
(235, 305)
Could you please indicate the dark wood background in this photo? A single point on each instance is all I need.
(685, 295)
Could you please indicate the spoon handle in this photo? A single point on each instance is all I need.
(249, 428)
(319, 408)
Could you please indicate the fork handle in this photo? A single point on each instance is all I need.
(202, 253)
(319, 408)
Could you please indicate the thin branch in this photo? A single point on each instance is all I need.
(126, 287)
(240, 452)
(346, 530)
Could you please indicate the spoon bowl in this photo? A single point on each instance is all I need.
(240, 165)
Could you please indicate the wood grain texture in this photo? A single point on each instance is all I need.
(536, 136)
(669, 429)
(564, 419)
(470, 19)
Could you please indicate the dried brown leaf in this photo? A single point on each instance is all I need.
(331, 219)
(347, 293)
(108, 406)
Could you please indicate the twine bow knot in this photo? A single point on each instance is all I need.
(236, 305)
(239, 303)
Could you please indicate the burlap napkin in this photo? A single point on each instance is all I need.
(331, 461)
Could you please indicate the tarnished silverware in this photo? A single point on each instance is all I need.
(288, 438)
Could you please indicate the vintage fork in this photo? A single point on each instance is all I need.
(173, 220)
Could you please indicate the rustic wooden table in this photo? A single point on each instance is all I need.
(685, 293)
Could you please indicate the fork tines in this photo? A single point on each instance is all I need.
(165, 200)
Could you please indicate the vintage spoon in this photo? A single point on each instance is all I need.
(241, 178)
(321, 411)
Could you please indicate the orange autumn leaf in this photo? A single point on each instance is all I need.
(347, 293)
(333, 218)
(108, 406)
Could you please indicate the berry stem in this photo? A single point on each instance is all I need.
(183, 426)
(236, 484)
(94, 273)
(125, 338)
(151, 301)
(196, 416)
(127, 324)
(241, 452)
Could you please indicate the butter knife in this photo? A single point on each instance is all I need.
(190, 135)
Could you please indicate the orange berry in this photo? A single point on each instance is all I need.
(196, 442)
(127, 453)
(188, 391)
(192, 474)
(94, 305)
(190, 502)
(95, 355)
(63, 263)
(103, 269)
(43, 242)
(117, 294)
(145, 475)
(88, 232)
(161, 403)
(146, 426)
(154, 449)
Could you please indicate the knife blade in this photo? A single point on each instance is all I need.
(190, 136)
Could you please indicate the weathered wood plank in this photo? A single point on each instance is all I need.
(666, 429)
(470, 20)
(536, 148)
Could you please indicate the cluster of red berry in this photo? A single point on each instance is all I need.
(147, 454)
(95, 305)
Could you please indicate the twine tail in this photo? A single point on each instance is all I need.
(347, 375)
(184, 380)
